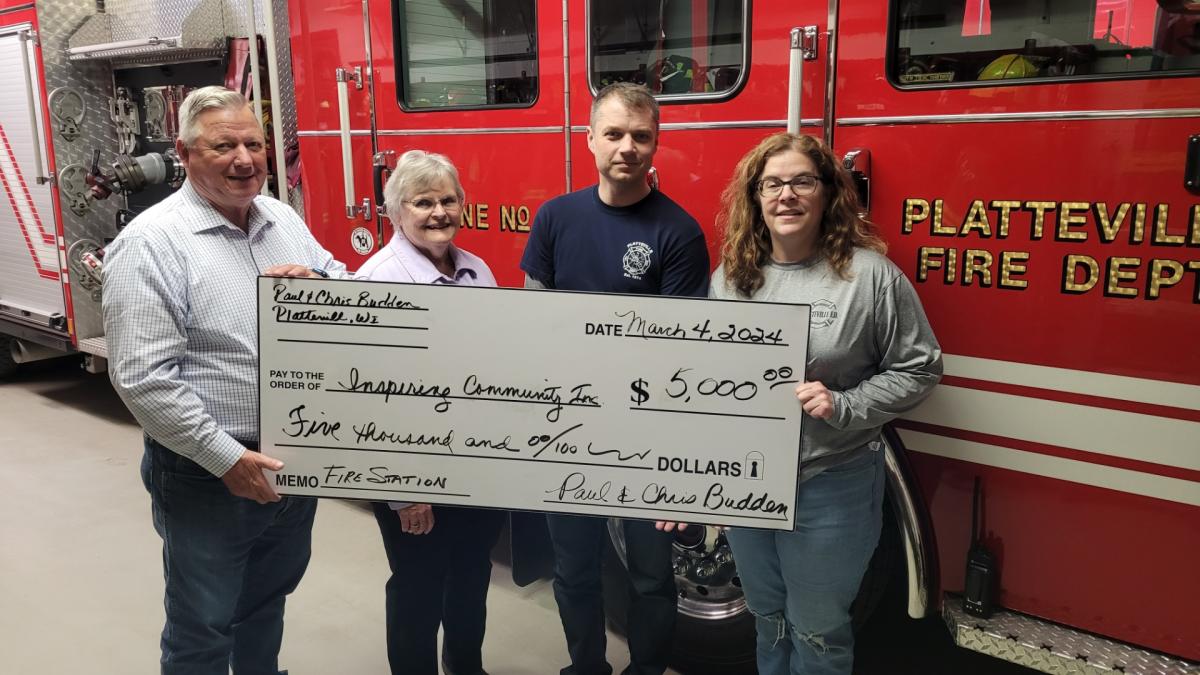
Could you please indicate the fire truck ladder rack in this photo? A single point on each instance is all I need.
(1051, 648)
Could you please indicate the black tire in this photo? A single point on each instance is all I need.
(726, 646)
(7, 365)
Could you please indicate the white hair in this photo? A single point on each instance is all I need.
(415, 172)
(201, 100)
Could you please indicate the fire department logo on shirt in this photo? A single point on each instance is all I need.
(637, 259)
(824, 313)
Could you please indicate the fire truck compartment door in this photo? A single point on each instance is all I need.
(30, 277)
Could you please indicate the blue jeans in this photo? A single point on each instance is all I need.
(799, 585)
(228, 564)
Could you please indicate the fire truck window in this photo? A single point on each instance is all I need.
(466, 53)
(941, 42)
(675, 47)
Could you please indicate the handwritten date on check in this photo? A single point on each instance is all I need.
(601, 404)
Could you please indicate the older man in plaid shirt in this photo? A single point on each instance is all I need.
(181, 320)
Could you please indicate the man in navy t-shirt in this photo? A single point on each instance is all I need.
(618, 236)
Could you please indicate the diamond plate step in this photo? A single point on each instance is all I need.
(97, 346)
(1051, 648)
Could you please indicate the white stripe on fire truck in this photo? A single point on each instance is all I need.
(1075, 471)
(1146, 438)
(1084, 382)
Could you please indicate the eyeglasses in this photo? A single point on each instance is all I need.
(801, 185)
(427, 204)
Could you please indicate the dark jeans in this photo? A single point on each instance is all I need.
(228, 563)
(578, 552)
(439, 578)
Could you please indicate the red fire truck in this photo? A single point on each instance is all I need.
(1034, 166)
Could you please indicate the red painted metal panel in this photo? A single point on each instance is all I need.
(862, 46)
(326, 36)
(324, 203)
(546, 110)
(1108, 562)
(1106, 162)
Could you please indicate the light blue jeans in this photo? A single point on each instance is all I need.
(799, 584)
(228, 564)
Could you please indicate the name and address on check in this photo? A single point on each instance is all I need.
(609, 405)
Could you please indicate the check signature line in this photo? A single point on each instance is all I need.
(658, 510)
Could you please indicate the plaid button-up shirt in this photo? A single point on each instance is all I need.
(181, 319)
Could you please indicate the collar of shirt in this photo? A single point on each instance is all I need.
(422, 270)
(209, 218)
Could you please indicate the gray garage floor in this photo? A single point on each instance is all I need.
(80, 573)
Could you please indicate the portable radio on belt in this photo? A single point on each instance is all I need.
(981, 567)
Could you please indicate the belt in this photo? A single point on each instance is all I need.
(249, 445)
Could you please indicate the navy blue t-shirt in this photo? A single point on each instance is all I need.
(653, 247)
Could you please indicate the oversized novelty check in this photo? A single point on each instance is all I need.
(610, 405)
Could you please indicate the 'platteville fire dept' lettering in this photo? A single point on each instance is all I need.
(1073, 223)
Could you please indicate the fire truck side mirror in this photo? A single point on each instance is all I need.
(858, 163)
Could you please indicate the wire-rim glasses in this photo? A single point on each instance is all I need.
(427, 204)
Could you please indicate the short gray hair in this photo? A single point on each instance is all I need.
(201, 100)
(632, 96)
(415, 171)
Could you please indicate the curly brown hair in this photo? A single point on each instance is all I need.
(747, 244)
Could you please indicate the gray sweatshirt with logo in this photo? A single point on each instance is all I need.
(869, 344)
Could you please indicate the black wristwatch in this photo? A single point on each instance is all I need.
(320, 272)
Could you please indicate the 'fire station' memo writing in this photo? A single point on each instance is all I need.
(609, 405)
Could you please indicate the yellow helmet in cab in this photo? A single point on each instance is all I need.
(1008, 67)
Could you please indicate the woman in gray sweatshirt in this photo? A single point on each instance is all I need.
(793, 233)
